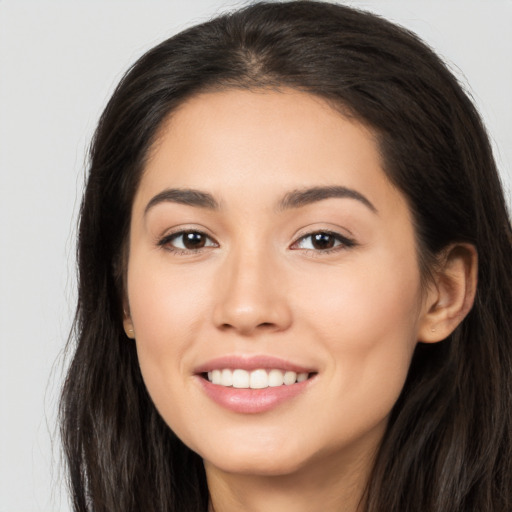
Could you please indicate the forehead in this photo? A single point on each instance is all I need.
(259, 141)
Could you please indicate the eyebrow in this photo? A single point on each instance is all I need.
(293, 199)
(303, 197)
(189, 197)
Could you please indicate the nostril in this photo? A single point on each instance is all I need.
(263, 325)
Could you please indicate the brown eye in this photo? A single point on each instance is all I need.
(187, 241)
(193, 240)
(323, 241)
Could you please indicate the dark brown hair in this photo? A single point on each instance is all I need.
(448, 446)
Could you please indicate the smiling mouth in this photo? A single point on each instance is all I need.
(255, 379)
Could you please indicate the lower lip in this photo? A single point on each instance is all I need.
(252, 401)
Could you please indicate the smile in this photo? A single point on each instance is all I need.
(253, 384)
(256, 379)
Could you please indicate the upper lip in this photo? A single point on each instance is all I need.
(251, 362)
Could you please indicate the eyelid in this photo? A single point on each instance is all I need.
(183, 228)
(345, 242)
(165, 240)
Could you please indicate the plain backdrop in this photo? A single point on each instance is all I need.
(59, 62)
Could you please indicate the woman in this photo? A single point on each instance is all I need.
(294, 291)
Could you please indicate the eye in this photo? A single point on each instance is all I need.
(187, 241)
(323, 241)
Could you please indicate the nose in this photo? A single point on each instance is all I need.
(252, 295)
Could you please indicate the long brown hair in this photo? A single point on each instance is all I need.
(448, 446)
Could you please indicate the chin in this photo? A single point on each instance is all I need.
(261, 459)
(258, 464)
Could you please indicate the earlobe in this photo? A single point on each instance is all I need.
(451, 294)
(128, 325)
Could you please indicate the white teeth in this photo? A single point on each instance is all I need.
(257, 379)
(240, 379)
(301, 377)
(290, 378)
(275, 378)
(216, 376)
(226, 378)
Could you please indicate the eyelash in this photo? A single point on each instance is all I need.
(343, 242)
(166, 241)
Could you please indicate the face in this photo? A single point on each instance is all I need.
(273, 284)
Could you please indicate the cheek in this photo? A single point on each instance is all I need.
(167, 310)
(163, 301)
(363, 301)
(366, 321)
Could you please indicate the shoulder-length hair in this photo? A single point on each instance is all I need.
(448, 445)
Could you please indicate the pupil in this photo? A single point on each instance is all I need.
(323, 241)
(193, 240)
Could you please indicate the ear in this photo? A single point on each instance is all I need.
(128, 324)
(451, 294)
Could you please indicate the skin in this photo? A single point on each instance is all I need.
(260, 287)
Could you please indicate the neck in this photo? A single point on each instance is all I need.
(328, 485)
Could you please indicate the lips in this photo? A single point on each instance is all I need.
(250, 363)
(253, 384)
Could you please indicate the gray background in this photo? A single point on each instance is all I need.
(59, 62)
